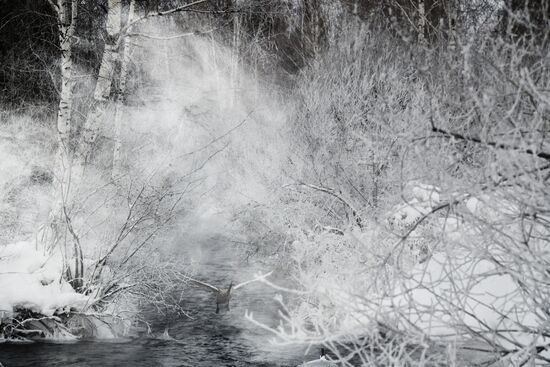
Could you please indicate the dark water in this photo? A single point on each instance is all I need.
(226, 339)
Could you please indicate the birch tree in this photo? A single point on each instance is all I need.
(104, 83)
(73, 157)
(67, 14)
(70, 157)
(117, 40)
(59, 226)
(119, 99)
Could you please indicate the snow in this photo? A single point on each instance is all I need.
(450, 282)
(32, 279)
(457, 281)
(421, 199)
(406, 215)
(423, 193)
(473, 204)
(458, 291)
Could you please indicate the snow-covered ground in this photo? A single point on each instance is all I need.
(455, 278)
(32, 279)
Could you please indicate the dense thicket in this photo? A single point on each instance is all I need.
(291, 32)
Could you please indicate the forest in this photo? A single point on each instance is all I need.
(379, 169)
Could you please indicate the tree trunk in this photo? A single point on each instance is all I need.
(117, 159)
(453, 20)
(58, 225)
(91, 127)
(103, 86)
(51, 235)
(421, 23)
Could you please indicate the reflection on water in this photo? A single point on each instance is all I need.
(206, 340)
(131, 353)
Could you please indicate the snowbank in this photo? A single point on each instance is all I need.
(32, 280)
(469, 288)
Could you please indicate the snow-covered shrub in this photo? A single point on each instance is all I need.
(459, 236)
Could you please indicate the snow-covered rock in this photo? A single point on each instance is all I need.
(32, 279)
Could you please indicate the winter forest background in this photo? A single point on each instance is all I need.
(388, 160)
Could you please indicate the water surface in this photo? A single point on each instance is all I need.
(208, 339)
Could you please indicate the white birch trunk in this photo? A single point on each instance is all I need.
(51, 233)
(57, 230)
(103, 85)
(117, 159)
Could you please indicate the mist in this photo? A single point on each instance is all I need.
(208, 114)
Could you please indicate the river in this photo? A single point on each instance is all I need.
(208, 339)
